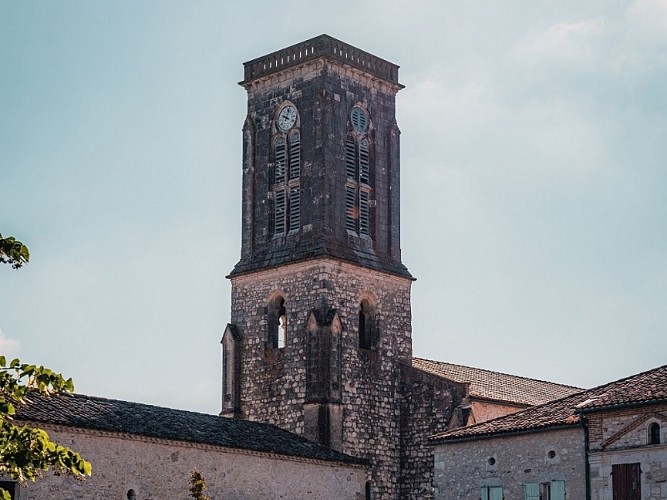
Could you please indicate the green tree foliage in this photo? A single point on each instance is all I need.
(26, 452)
(13, 252)
(198, 485)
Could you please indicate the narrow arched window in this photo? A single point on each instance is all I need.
(368, 492)
(277, 324)
(282, 328)
(365, 325)
(294, 155)
(279, 161)
(654, 433)
(286, 172)
(351, 158)
(358, 174)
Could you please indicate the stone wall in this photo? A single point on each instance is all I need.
(274, 381)
(462, 468)
(621, 437)
(428, 403)
(159, 470)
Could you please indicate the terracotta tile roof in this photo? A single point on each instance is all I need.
(643, 388)
(153, 421)
(495, 386)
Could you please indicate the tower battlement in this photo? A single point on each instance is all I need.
(320, 46)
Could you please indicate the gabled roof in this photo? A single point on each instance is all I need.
(644, 388)
(178, 425)
(495, 386)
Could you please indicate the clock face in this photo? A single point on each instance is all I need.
(287, 118)
(359, 119)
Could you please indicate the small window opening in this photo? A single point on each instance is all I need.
(282, 329)
(131, 495)
(654, 433)
(277, 323)
(365, 325)
(368, 494)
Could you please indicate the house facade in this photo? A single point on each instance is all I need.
(606, 443)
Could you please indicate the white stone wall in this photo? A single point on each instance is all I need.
(462, 468)
(160, 470)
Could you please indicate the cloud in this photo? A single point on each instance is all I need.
(574, 42)
(649, 19)
(8, 347)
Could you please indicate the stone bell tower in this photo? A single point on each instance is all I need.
(320, 317)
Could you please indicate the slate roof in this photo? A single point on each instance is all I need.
(178, 425)
(495, 386)
(644, 388)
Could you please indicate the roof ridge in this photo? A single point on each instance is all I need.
(618, 381)
(500, 373)
(136, 403)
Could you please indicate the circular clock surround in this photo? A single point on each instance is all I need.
(359, 119)
(287, 118)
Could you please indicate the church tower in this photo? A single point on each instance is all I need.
(320, 318)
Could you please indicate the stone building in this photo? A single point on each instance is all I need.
(320, 337)
(142, 452)
(606, 443)
(319, 341)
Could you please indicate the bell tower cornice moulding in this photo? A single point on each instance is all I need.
(322, 47)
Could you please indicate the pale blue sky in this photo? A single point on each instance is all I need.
(534, 179)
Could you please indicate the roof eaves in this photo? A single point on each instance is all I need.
(619, 406)
(502, 433)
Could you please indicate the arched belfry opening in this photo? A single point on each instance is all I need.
(277, 323)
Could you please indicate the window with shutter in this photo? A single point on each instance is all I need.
(358, 175)
(286, 176)
(294, 208)
(557, 490)
(351, 158)
(364, 213)
(279, 169)
(531, 491)
(364, 169)
(279, 219)
(492, 493)
(295, 156)
(351, 211)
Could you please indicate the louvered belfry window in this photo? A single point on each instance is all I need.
(358, 177)
(286, 182)
(279, 169)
